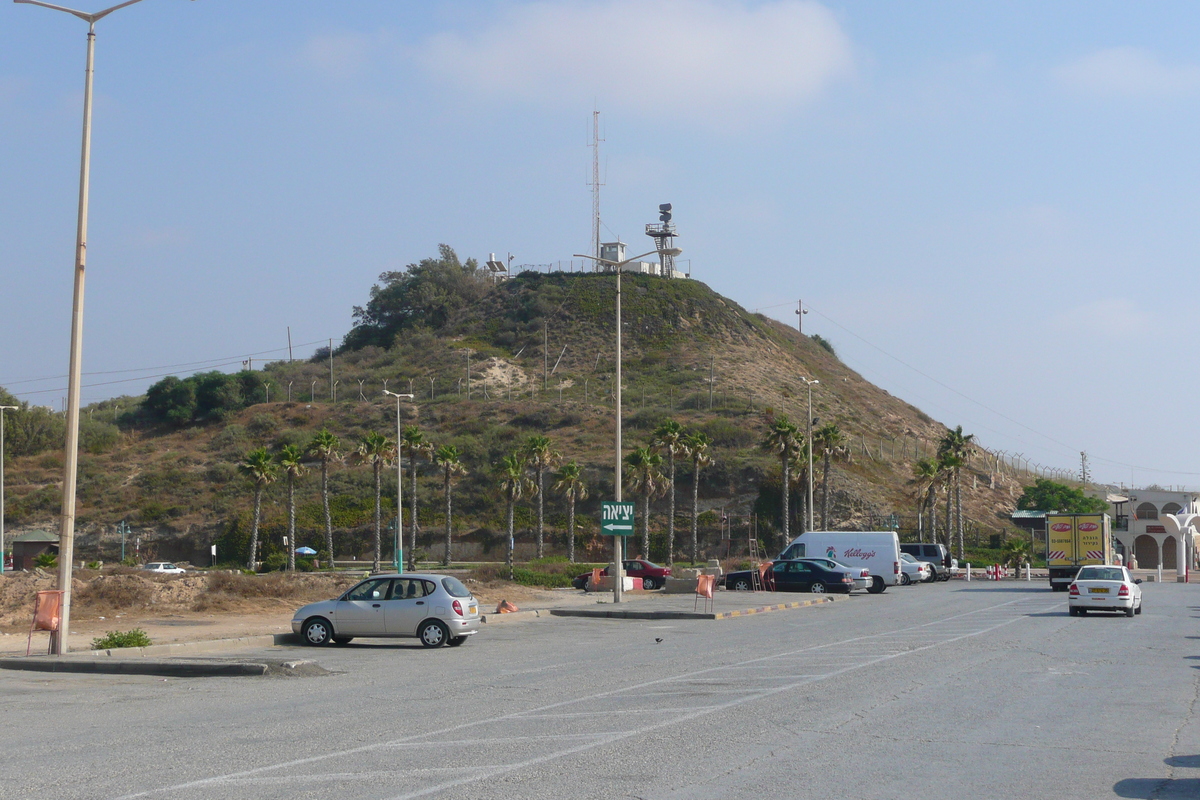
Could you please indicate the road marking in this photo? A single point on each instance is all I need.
(592, 740)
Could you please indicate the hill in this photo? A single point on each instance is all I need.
(540, 350)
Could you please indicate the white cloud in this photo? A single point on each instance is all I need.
(1129, 72)
(705, 59)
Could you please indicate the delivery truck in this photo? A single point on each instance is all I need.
(1073, 541)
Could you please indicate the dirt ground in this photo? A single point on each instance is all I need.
(203, 606)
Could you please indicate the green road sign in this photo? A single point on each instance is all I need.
(616, 519)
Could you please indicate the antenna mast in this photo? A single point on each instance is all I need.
(595, 184)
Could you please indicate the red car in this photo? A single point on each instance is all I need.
(653, 576)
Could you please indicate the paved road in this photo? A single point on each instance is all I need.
(944, 691)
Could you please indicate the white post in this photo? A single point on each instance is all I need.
(968, 572)
(1028, 572)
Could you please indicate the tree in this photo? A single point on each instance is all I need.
(571, 486)
(697, 449)
(645, 478)
(958, 445)
(925, 476)
(414, 441)
(290, 459)
(541, 457)
(324, 447)
(1016, 552)
(513, 484)
(377, 450)
(1046, 495)
(668, 438)
(949, 465)
(784, 440)
(449, 461)
(828, 440)
(259, 468)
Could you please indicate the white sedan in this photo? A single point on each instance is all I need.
(1104, 588)
(163, 568)
(913, 571)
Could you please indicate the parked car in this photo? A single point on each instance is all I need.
(437, 609)
(794, 575)
(163, 568)
(1104, 588)
(653, 576)
(936, 555)
(861, 575)
(878, 551)
(913, 571)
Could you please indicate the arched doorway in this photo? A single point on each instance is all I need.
(1170, 560)
(1146, 549)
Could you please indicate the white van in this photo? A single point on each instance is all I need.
(878, 551)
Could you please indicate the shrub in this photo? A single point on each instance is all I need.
(46, 560)
(274, 562)
(112, 639)
(304, 565)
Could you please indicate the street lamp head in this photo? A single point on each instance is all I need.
(396, 395)
(10, 408)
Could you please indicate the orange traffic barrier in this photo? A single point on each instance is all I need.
(47, 615)
(505, 607)
(704, 588)
(766, 578)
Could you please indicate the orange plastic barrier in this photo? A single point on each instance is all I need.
(47, 615)
(766, 578)
(505, 607)
(704, 588)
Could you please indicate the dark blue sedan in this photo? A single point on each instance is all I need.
(793, 575)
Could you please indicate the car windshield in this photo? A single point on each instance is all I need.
(907, 557)
(1101, 574)
(454, 587)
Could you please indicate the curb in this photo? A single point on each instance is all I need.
(162, 667)
(175, 648)
(779, 607)
(514, 616)
(629, 614)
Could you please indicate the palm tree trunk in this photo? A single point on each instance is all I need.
(412, 502)
(328, 516)
(787, 478)
(646, 525)
(949, 517)
(671, 509)
(510, 535)
(378, 516)
(695, 512)
(825, 495)
(291, 523)
(571, 528)
(921, 517)
(541, 515)
(254, 529)
(958, 511)
(446, 558)
(933, 512)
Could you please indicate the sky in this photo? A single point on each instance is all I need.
(988, 208)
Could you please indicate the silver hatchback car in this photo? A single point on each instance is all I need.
(437, 609)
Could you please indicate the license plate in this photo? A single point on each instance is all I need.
(473, 609)
(1094, 590)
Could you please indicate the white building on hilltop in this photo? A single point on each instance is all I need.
(1156, 527)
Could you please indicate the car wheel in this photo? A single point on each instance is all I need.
(457, 641)
(1083, 612)
(904, 579)
(649, 584)
(317, 632)
(343, 639)
(741, 585)
(1073, 611)
(1129, 612)
(817, 588)
(433, 633)
(877, 585)
(1139, 609)
(933, 578)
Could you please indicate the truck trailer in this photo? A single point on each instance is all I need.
(1073, 541)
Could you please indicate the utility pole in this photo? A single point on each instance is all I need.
(289, 327)
(331, 392)
(1085, 475)
(712, 360)
(596, 186)
(545, 355)
(2, 410)
(800, 312)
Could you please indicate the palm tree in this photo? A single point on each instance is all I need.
(697, 449)
(414, 440)
(377, 450)
(324, 447)
(949, 465)
(925, 474)
(259, 468)
(570, 485)
(1016, 553)
(668, 437)
(799, 473)
(828, 441)
(290, 459)
(541, 457)
(784, 440)
(645, 478)
(957, 444)
(449, 461)
(514, 483)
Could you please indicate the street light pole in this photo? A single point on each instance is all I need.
(66, 543)
(810, 452)
(618, 541)
(399, 548)
(2, 410)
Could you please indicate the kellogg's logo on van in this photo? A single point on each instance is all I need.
(858, 552)
(1061, 527)
(1088, 526)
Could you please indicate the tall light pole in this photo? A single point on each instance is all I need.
(66, 543)
(2, 410)
(810, 384)
(618, 543)
(399, 550)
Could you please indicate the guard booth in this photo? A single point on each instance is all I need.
(28, 546)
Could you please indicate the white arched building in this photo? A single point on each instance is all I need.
(1158, 528)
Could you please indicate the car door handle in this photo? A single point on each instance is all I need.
(420, 602)
(374, 605)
